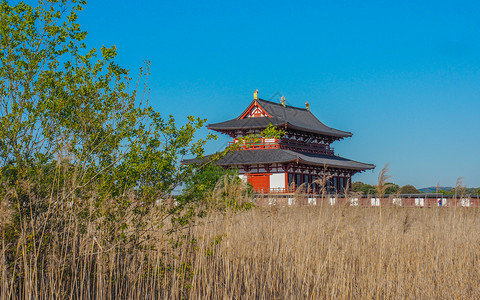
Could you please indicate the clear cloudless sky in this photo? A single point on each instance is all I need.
(403, 76)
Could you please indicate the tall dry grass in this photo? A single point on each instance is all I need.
(342, 252)
(282, 253)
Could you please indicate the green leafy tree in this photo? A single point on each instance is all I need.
(83, 156)
(231, 193)
(77, 133)
(201, 185)
(203, 182)
(365, 189)
(392, 188)
(409, 189)
(357, 186)
(368, 189)
(447, 192)
(66, 105)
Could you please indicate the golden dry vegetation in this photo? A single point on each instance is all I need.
(298, 252)
(344, 252)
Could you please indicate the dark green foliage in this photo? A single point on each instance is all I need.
(86, 164)
(217, 185)
(365, 189)
(392, 188)
(447, 192)
(78, 135)
(202, 183)
(409, 189)
(467, 191)
(357, 185)
(72, 127)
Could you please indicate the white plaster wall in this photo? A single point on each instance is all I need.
(243, 177)
(277, 180)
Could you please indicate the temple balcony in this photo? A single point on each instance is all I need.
(287, 144)
(294, 145)
(263, 143)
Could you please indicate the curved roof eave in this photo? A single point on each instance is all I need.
(334, 132)
(365, 166)
(287, 156)
(236, 124)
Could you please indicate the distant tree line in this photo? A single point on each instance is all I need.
(466, 191)
(368, 189)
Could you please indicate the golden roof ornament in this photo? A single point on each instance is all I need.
(283, 100)
(307, 105)
(255, 95)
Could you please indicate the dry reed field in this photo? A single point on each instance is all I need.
(267, 253)
(342, 252)
(102, 196)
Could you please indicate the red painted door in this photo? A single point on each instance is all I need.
(260, 182)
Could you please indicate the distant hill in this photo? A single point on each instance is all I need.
(447, 190)
(433, 189)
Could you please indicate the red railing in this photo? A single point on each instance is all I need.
(263, 143)
(274, 143)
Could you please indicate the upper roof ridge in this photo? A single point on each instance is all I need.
(280, 104)
(293, 117)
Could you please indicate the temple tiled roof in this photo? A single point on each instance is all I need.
(270, 156)
(293, 117)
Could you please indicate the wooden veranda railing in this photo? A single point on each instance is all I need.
(263, 143)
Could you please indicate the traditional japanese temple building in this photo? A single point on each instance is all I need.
(302, 155)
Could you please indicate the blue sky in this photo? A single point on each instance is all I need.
(404, 77)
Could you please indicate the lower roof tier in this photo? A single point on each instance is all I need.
(271, 156)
